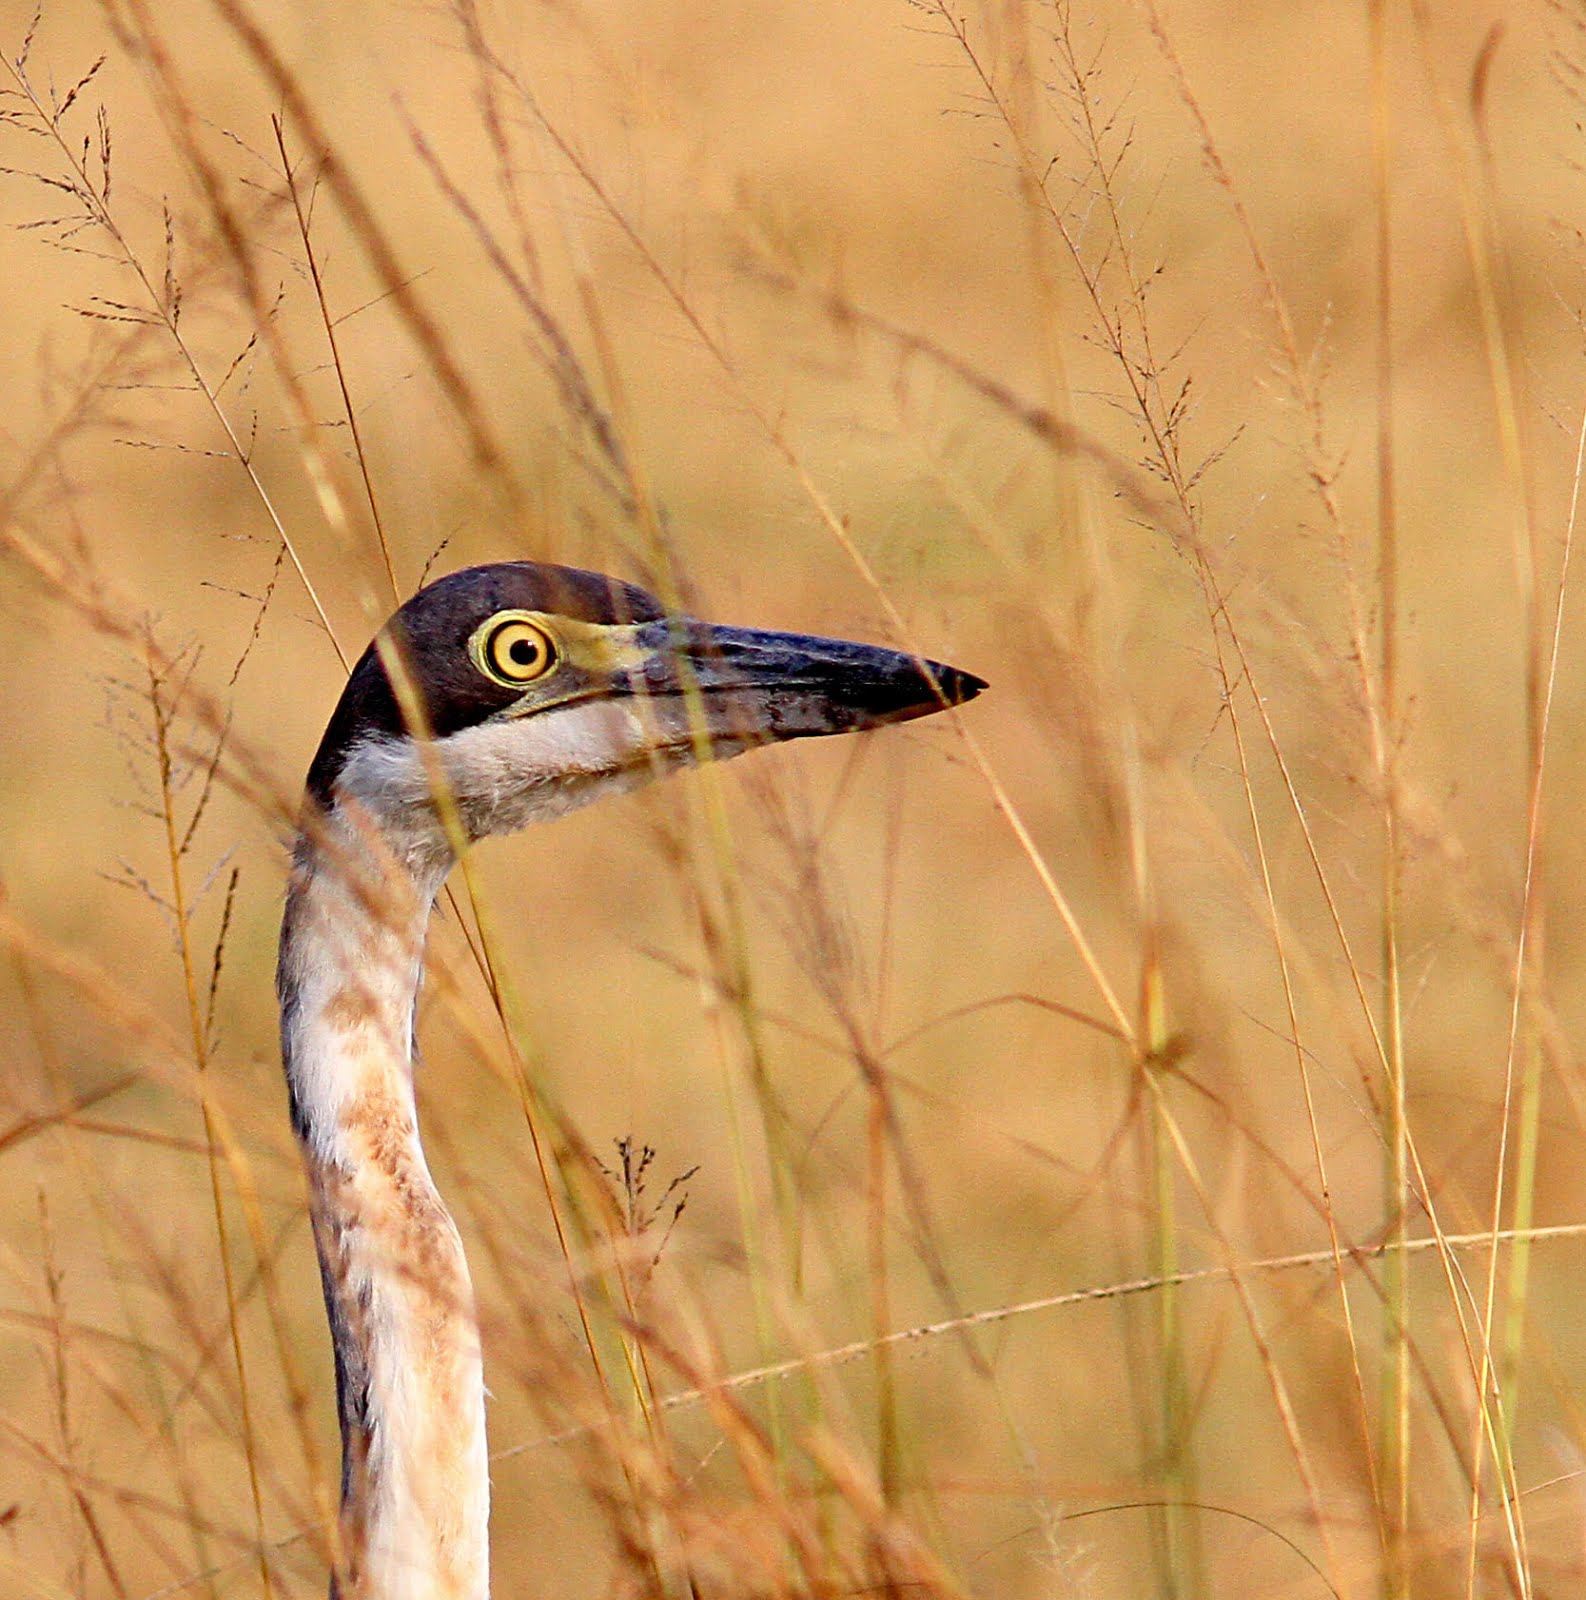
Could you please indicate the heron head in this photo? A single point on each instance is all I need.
(543, 687)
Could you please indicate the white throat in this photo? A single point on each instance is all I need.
(503, 775)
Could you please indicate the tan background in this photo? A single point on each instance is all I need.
(764, 155)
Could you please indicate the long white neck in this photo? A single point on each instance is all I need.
(415, 1488)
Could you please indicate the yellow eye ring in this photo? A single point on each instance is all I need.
(513, 649)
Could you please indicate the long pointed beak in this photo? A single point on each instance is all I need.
(757, 686)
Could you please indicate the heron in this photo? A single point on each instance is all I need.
(496, 697)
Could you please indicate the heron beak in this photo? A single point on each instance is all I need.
(755, 686)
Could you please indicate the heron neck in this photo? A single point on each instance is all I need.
(410, 1389)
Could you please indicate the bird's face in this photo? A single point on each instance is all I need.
(544, 688)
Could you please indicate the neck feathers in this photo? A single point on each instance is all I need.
(415, 1477)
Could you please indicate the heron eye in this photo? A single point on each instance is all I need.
(515, 650)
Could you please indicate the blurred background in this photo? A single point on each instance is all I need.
(1209, 378)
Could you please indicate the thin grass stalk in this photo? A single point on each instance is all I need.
(675, 1571)
(91, 1531)
(880, 1300)
(1530, 963)
(1523, 1211)
(328, 323)
(181, 916)
(1395, 1407)
(1176, 1469)
(1511, 1362)
(1396, 1384)
(1530, 1113)
(756, 1254)
(1476, 194)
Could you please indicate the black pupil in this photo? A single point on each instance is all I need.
(524, 652)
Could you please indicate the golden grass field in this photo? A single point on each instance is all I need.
(1207, 377)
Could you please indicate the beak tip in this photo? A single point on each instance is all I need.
(935, 689)
(960, 686)
(953, 685)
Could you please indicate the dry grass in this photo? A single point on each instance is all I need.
(1119, 1138)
